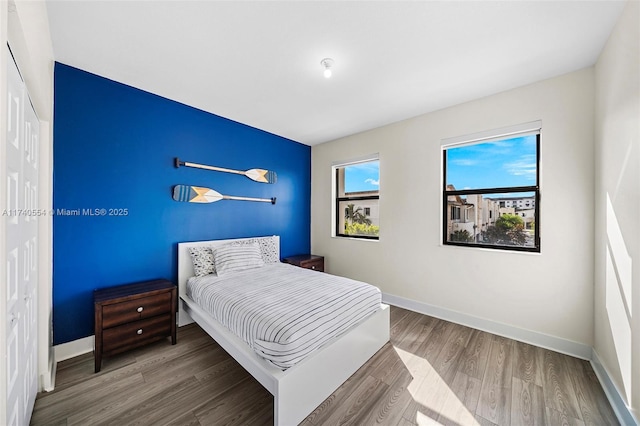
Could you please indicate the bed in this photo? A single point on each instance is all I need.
(300, 388)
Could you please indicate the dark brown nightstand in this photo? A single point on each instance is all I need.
(308, 261)
(133, 315)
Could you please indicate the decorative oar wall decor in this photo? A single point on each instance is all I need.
(258, 175)
(198, 194)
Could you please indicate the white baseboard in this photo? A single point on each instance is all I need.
(73, 349)
(49, 378)
(625, 414)
(542, 340)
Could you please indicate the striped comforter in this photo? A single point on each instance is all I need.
(282, 311)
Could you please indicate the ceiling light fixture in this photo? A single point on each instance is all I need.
(327, 63)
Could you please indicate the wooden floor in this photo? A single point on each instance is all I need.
(432, 372)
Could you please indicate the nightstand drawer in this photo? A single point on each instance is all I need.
(132, 310)
(316, 265)
(307, 261)
(136, 333)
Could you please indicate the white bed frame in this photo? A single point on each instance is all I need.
(298, 390)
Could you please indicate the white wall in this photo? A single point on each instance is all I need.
(553, 292)
(617, 256)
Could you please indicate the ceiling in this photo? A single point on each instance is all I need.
(258, 62)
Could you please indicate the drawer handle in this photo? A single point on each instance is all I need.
(139, 331)
(140, 309)
(313, 267)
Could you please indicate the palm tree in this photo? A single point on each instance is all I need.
(353, 214)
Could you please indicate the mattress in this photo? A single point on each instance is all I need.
(284, 312)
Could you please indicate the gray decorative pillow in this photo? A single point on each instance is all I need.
(268, 248)
(237, 257)
(202, 258)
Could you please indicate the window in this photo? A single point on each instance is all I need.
(356, 198)
(491, 193)
(455, 213)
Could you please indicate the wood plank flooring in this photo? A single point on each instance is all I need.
(432, 372)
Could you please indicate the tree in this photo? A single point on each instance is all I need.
(361, 229)
(508, 230)
(462, 236)
(355, 215)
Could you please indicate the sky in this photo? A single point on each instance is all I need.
(503, 163)
(362, 177)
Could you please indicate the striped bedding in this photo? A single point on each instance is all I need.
(284, 312)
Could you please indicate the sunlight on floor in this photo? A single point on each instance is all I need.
(423, 420)
(429, 390)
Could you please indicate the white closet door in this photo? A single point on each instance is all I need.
(21, 248)
(30, 241)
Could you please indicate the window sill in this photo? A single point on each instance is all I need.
(370, 240)
(491, 250)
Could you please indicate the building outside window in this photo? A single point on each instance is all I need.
(455, 212)
(491, 192)
(356, 198)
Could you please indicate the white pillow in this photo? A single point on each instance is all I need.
(268, 248)
(237, 257)
(202, 258)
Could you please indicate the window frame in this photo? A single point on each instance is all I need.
(501, 190)
(337, 199)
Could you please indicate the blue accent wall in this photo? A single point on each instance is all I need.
(114, 149)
